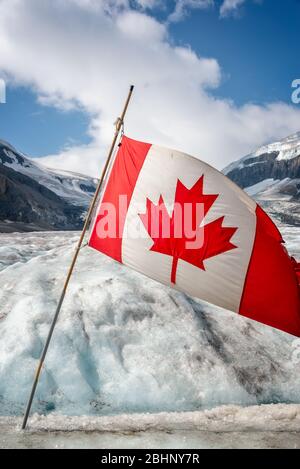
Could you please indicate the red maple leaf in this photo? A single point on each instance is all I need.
(183, 234)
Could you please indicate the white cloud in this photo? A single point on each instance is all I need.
(230, 6)
(136, 26)
(85, 54)
(149, 3)
(182, 8)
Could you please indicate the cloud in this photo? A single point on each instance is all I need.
(149, 3)
(182, 8)
(86, 53)
(230, 6)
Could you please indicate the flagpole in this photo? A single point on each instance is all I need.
(119, 125)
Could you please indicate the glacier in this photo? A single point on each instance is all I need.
(125, 344)
(265, 426)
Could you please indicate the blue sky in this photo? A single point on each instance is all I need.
(258, 48)
(255, 45)
(36, 129)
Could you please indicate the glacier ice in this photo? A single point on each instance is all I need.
(265, 426)
(126, 344)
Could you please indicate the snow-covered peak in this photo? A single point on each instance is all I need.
(286, 149)
(4, 143)
(74, 187)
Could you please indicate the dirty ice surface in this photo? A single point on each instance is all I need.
(266, 426)
(127, 345)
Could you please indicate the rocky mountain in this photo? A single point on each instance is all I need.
(33, 197)
(272, 175)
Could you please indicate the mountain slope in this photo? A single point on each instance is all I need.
(34, 197)
(272, 175)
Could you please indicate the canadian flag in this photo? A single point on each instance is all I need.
(183, 223)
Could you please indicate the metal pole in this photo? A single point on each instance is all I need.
(119, 124)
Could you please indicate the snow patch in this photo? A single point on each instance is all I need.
(260, 186)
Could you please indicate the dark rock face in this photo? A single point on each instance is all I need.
(266, 166)
(22, 199)
(87, 188)
(5, 158)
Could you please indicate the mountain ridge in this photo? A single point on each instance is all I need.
(38, 197)
(271, 175)
(34, 197)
